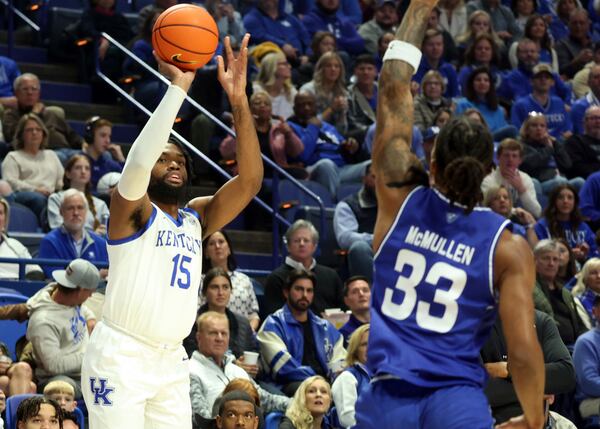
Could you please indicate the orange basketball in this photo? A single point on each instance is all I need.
(185, 35)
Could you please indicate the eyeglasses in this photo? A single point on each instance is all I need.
(33, 130)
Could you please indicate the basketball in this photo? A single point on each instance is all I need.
(185, 35)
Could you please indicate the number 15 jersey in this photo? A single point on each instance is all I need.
(433, 297)
(154, 278)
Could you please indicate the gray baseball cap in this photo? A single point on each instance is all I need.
(79, 273)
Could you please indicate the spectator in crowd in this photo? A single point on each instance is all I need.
(384, 20)
(498, 199)
(544, 158)
(431, 100)
(276, 138)
(584, 149)
(327, 156)
(453, 17)
(416, 145)
(237, 409)
(310, 404)
(519, 185)
(211, 368)
(479, 23)
(37, 412)
(560, 14)
(244, 385)
(567, 264)
(432, 59)
(348, 386)
(77, 176)
(589, 200)
(560, 375)
(216, 291)
(267, 23)
(302, 239)
(104, 156)
(587, 367)
(551, 297)
(542, 101)
(433, 23)
(586, 290)
(357, 297)
(517, 83)
(63, 393)
(363, 97)
(275, 78)
(325, 16)
(151, 9)
(70, 420)
(503, 20)
(562, 219)
(61, 136)
(575, 51)
(353, 224)
(482, 53)
(522, 10)
(538, 31)
(481, 95)
(228, 19)
(294, 342)
(12, 248)
(581, 81)
(9, 71)
(382, 45)
(32, 171)
(72, 240)
(16, 378)
(580, 108)
(218, 253)
(322, 42)
(58, 324)
(329, 87)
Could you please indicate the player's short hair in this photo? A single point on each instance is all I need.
(300, 224)
(209, 315)
(296, 275)
(510, 144)
(211, 275)
(235, 395)
(30, 408)
(59, 386)
(463, 156)
(354, 344)
(353, 279)
(544, 246)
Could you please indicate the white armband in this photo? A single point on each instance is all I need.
(399, 50)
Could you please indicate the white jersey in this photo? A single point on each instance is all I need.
(154, 278)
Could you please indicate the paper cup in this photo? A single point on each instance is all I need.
(250, 358)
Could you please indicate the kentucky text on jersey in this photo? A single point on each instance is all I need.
(169, 238)
(460, 252)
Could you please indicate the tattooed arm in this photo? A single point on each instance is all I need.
(393, 163)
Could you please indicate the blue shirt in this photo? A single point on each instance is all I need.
(341, 27)
(285, 29)
(583, 233)
(516, 83)
(433, 300)
(448, 74)
(559, 121)
(104, 164)
(589, 197)
(9, 71)
(494, 118)
(319, 143)
(577, 114)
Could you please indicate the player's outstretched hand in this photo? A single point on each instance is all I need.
(181, 78)
(233, 75)
(517, 423)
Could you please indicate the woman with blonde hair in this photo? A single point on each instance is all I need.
(354, 379)
(309, 406)
(586, 289)
(430, 100)
(479, 23)
(275, 78)
(329, 87)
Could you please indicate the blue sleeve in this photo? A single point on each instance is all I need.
(562, 90)
(577, 114)
(351, 10)
(309, 136)
(463, 76)
(452, 88)
(417, 143)
(540, 230)
(504, 90)
(255, 26)
(585, 360)
(350, 41)
(590, 239)
(311, 23)
(587, 198)
(48, 250)
(303, 36)
(518, 114)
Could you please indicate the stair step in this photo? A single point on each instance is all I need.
(28, 54)
(63, 91)
(82, 111)
(52, 72)
(251, 242)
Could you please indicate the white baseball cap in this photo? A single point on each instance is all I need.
(79, 273)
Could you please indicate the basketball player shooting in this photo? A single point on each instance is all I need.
(135, 371)
(441, 262)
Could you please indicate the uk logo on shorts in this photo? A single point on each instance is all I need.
(101, 392)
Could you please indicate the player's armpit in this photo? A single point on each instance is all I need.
(127, 217)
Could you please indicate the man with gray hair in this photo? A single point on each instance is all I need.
(59, 324)
(302, 239)
(72, 240)
(584, 149)
(549, 295)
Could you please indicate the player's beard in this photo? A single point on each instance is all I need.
(160, 191)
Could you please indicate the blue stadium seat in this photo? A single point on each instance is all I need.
(273, 419)
(288, 192)
(11, 330)
(22, 219)
(12, 404)
(346, 189)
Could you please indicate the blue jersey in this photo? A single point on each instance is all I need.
(433, 301)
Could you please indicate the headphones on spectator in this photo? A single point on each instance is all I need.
(90, 127)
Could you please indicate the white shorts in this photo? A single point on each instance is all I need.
(128, 383)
